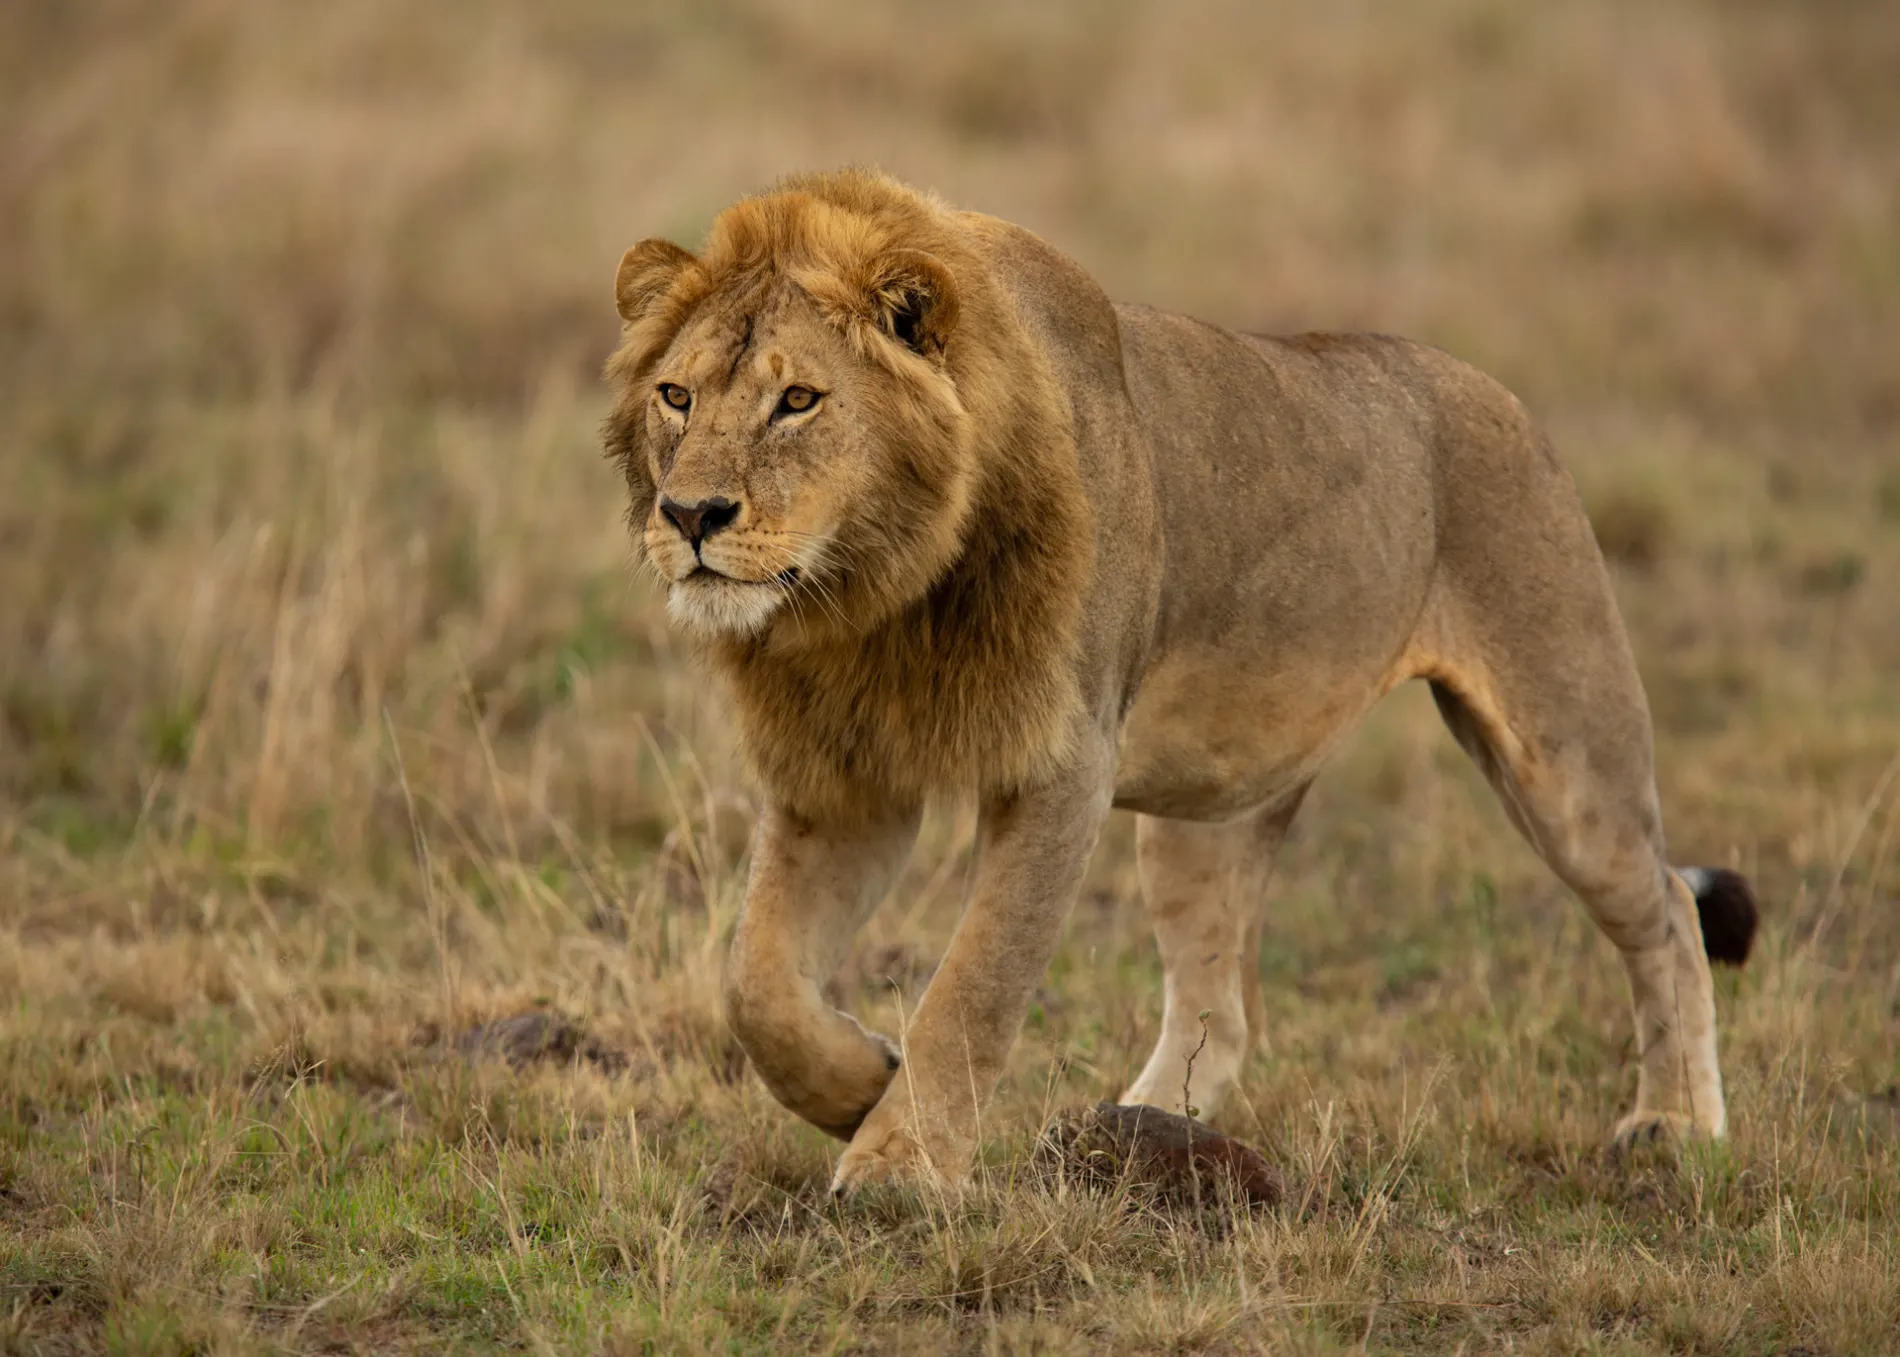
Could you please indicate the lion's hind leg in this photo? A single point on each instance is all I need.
(1574, 774)
(1204, 885)
(1532, 670)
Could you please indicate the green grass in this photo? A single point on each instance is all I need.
(224, 1212)
(241, 1124)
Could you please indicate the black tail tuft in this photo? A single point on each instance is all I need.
(1726, 903)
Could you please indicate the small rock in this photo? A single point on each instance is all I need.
(1180, 1159)
(530, 1037)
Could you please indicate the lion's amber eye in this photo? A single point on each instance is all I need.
(676, 396)
(797, 400)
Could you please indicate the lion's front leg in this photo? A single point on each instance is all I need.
(1031, 852)
(811, 888)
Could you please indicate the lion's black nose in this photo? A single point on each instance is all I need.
(699, 521)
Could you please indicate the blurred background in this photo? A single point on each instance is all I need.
(304, 534)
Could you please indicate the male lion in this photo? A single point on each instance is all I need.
(947, 520)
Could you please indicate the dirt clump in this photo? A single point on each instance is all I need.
(532, 1038)
(1177, 1158)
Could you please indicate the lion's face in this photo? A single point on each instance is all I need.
(795, 448)
(764, 463)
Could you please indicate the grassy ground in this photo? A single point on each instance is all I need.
(332, 724)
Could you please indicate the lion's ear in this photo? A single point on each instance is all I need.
(646, 272)
(915, 300)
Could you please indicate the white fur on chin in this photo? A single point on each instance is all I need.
(722, 607)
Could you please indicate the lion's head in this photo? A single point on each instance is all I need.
(854, 469)
(789, 418)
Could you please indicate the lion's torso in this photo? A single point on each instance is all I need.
(1224, 548)
(1268, 524)
(1295, 486)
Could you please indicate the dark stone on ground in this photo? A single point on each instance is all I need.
(528, 1038)
(1180, 1160)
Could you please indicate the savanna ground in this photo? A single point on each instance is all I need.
(335, 725)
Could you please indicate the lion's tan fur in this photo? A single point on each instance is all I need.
(1058, 554)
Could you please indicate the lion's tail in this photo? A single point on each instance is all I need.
(1726, 903)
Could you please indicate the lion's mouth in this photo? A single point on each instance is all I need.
(785, 579)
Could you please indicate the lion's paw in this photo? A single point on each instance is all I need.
(842, 1108)
(1643, 1128)
(895, 1157)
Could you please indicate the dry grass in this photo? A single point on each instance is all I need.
(332, 724)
